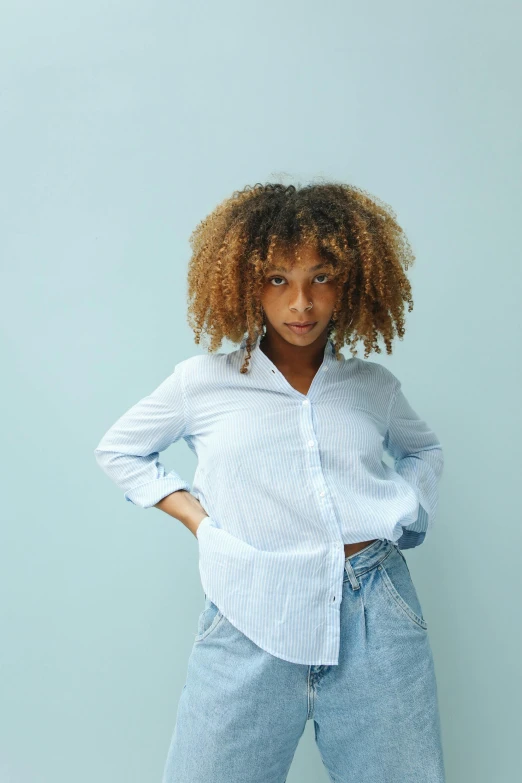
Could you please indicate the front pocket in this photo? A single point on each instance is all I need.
(208, 620)
(399, 586)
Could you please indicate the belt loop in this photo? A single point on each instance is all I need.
(351, 574)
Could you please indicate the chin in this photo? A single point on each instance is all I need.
(301, 339)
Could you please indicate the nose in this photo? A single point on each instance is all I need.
(300, 301)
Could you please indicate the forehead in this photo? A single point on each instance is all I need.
(303, 257)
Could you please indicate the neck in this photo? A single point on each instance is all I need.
(294, 357)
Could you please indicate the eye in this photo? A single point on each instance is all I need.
(271, 280)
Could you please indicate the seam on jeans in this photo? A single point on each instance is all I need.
(310, 699)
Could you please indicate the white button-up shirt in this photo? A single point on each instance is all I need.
(286, 479)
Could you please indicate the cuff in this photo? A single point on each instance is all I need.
(205, 520)
(410, 539)
(147, 495)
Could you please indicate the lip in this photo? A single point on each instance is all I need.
(301, 328)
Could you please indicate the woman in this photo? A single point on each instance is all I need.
(310, 610)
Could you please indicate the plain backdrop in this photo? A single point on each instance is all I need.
(122, 125)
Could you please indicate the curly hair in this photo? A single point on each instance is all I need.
(356, 235)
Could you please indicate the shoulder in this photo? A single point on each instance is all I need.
(203, 366)
(386, 375)
(381, 381)
(376, 371)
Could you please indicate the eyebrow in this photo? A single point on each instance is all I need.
(310, 269)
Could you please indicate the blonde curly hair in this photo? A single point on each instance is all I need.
(357, 236)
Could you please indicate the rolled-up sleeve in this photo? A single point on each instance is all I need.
(129, 451)
(419, 459)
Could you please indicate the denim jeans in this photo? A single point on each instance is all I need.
(242, 711)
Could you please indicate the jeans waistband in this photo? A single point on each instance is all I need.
(371, 555)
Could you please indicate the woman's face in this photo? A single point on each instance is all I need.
(287, 294)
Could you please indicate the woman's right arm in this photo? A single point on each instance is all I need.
(129, 452)
(184, 506)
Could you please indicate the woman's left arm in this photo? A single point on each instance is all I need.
(419, 459)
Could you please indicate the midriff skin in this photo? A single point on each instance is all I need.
(350, 549)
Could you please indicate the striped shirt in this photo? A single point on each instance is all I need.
(286, 479)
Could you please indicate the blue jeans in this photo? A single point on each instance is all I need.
(242, 711)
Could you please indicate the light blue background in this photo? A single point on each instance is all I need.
(123, 125)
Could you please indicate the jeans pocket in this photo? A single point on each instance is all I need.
(399, 587)
(208, 620)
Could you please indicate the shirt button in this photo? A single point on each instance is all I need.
(325, 369)
(322, 494)
(306, 402)
(310, 443)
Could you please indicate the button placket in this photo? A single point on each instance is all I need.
(327, 510)
(312, 442)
